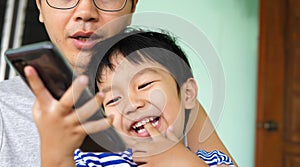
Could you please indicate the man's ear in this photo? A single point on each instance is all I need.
(190, 92)
(134, 5)
(38, 5)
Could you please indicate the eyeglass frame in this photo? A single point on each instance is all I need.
(117, 10)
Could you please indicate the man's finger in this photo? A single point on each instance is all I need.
(73, 92)
(88, 109)
(38, 88)
(91, 127)
(36, 112)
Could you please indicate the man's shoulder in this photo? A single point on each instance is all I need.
(14, 87)
(19, 141)
(15, 93)
(11, 82)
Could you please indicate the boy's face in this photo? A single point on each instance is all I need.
(139, 93)
(69, 29)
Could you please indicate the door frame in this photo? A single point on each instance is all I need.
(271, 81)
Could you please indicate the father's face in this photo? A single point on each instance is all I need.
(69, 29)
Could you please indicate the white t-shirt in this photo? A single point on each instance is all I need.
(19, 140)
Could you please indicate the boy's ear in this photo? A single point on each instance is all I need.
(38, 4)
(190, 92)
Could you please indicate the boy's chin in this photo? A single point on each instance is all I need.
(147, 150)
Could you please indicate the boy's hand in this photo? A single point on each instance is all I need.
(62, 129)
(165, 150)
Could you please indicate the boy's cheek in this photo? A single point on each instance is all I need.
(158, 98)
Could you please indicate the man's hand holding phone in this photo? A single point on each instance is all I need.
(62, 128)
(50, 78)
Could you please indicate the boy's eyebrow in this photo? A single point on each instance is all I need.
(146, 70)
(107, 89)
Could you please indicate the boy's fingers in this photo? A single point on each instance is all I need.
(152, 130)
(38, 88)
(73, 93)
(142, 164)
(140, 160)
(155, 134)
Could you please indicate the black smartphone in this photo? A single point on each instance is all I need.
(57, 76)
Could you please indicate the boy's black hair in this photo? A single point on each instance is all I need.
(138, 45)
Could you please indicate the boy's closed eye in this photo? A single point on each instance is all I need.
(112, 101)
(140, 87)
(145, 85)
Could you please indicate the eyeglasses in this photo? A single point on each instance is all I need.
(104, 5)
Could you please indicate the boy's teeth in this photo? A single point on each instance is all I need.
(139, 126)
(155, 123)
(141, 130)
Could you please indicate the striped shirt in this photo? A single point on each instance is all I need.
(124, 159)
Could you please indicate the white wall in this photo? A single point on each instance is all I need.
(232, 28)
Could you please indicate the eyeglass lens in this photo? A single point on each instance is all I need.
(105, 5)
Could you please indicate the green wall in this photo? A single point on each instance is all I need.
(232, 28)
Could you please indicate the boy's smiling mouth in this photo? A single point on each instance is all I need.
(139, 129)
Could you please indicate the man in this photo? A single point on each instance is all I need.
(69, 26)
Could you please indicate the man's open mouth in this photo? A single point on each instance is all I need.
(87, 38)
(139, 128)
(82, 38)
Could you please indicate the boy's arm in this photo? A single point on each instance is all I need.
(177, 156)
(212, 141)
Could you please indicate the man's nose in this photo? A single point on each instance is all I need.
(86, 11)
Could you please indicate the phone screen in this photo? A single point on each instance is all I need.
(57, 80)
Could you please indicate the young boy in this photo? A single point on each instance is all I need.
(150, 93)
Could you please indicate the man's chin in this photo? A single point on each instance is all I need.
(81, 62)
(78, 69)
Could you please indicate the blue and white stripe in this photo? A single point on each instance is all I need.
(215, 158)
(124, 159)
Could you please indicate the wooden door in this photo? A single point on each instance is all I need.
(278, 105)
